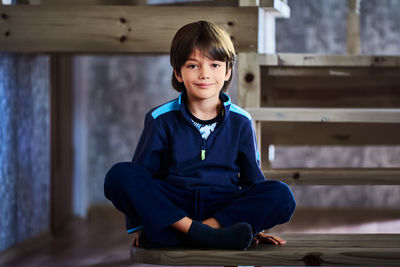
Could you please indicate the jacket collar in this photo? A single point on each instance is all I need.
(226, 101)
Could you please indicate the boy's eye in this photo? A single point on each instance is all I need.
(215, 65)
(191, 66)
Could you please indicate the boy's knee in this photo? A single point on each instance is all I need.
(116, 175)
(286, 193)
(283, 197)
(286, 201)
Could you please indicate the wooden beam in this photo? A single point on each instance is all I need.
(91, 2)
(327, 134)
(277, 8)
(315, 60)
(332, 71)
(301, 249)
(336, 176)
(115, 29)
(326, 115)
(330, 87)
(249, 2)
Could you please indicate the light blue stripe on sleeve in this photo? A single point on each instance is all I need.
(130, 231)
(167, 107)
(239, 110)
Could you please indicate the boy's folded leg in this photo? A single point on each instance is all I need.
(237, 236)
(168, 237)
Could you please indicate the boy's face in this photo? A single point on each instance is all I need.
(203, 77)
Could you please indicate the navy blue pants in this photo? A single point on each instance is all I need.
(156, 205)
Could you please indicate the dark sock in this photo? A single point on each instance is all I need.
(237, 236)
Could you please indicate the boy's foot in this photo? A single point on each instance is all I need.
(237, 236)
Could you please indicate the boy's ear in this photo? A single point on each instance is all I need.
(177, 76)
(228, 74)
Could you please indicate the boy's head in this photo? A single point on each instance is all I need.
(213, 41)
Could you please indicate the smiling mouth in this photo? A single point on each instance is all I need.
(204, 85)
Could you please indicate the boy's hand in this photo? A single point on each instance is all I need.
(136, 238)
(263, 238)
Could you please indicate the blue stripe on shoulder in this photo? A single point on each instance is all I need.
(167, 107)
(239, 110)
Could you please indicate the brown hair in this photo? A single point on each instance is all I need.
(207, 37)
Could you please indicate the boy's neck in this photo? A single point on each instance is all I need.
(204, 109)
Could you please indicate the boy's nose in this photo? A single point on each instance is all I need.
(204, 74)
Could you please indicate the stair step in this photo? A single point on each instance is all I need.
(335, 176)
(301, 249)
(366, 115)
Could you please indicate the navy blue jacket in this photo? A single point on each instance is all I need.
(171, 147)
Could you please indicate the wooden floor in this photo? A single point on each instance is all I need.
(99, 241)
(102, 241)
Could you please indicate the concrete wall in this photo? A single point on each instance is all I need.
(24, 147)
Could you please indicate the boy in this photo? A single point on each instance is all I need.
(195, 178)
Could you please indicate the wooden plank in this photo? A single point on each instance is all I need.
(332, 71)
(301, 249)
(336, 176)
(91, 2)
(330, 87)
(344, 219)
(343, 134)
(317, 60)
(249, 2)
(277, 8)
(210, 3)
(331, 92)
(115, 29)
(326, 115)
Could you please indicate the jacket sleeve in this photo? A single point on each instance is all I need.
(149, 150)
(249, 158)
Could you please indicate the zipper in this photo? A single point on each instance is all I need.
(203, 148)
(204, 142)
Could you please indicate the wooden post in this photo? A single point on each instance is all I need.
(249, 84)
(353, 27)
(61, 106)
(249, 91)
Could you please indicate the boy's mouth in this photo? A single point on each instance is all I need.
(204, 85)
